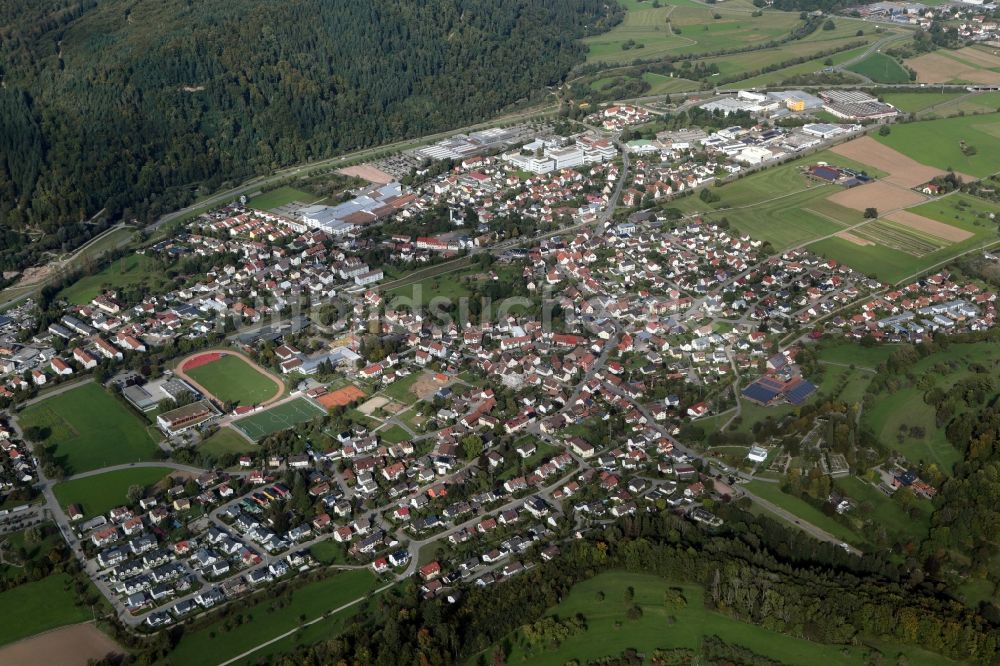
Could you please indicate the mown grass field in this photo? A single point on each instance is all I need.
(281, 196)
(661, 84)
(938, 143)
(133, 269)
(214, 644)
(881, 68)
(913, 102)
(980, 103)
(844, 383)
(90, 429)
(227, 441)
(39, 606)
(100, 493)
(609, 632)
(394, 435)
(419, 294)
(231, 379)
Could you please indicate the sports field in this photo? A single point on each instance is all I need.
(280, 417)
(90, 429)
(100, 493)
(881, 68)
(345, 395)
(609, 632)
(232, 379)
(939, 143)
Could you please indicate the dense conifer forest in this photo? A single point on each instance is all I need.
(128, 106)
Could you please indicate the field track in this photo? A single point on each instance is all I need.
(204, 358)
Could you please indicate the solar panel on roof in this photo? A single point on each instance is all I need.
(800, 392)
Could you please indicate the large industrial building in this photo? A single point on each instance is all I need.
(375, 204)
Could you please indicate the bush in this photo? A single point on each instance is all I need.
(829, 25)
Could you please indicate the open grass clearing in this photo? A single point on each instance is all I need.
(281, 196)
(854, 354)
(906, 408)
(401, 390)
(601, 601)
(100, 493)
(128, 271)
(226, 441)
(988, 102)
(90, 429)
(394, 435)
(749, 64)
(914, 102)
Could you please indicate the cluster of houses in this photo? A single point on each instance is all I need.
(917, 311)
(17, 465)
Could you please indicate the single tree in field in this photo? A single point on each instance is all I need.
(871, 213)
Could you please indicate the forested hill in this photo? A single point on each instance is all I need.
(124, 104)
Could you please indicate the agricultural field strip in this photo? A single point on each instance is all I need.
(896, 237)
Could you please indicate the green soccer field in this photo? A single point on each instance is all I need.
(90, 429)
(231, 379)
(281, 417)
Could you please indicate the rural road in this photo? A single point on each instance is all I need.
(807, 527)
(154, 464)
